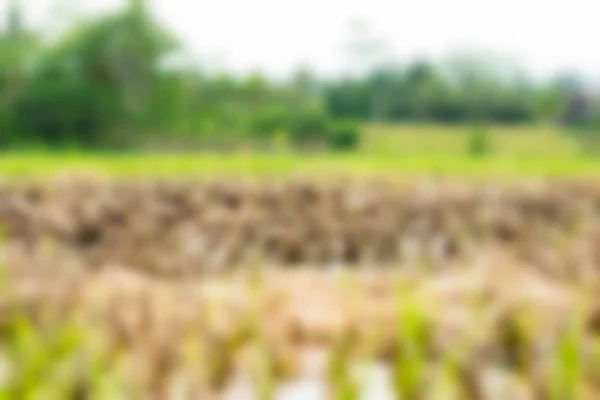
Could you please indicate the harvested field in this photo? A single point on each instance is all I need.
(305, 289)
(173, 227)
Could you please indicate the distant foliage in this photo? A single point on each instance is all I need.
(423, 93)
(112, 82)
(344, 135)
(266, 122)
(94, 86)
(309, 127)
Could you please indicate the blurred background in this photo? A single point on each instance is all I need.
(366, 76)
(418, 288)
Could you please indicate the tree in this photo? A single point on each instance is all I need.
(304, 87)
(255, 90)
(421, 87)
(96, 84)
(16, 46)
(348, 98)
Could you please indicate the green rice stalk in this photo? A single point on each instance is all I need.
(342, 384)
(566, 382)
(410, 363)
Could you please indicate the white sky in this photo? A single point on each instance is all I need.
(545, 36)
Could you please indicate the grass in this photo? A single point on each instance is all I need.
(506, 141)
(45, 165)
(401, 150)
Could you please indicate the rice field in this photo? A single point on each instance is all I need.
(286, 288)
(406, 270)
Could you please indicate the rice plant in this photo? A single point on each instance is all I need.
(565, 381)
(410, 364)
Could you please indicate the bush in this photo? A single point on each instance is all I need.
(343, 135)
(511, 112)
(308, 126)
(265, 122)
(479, 142)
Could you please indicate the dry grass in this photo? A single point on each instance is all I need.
(188, 226)
(512, 315)
(471, 332)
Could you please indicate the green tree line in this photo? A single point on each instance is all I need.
(111, 82)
